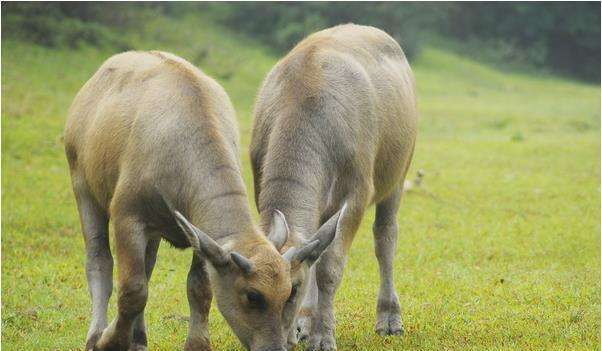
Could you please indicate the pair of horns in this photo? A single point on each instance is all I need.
(311, 249)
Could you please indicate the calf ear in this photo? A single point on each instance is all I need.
(278, 230)
(201, 242)
(312, 250)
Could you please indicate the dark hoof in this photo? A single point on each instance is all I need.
(390, 325)
(324, 343)
(91, 342)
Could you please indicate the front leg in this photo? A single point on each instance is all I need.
(199, 300)
(329, 272)
(130, 244)
(308, 307)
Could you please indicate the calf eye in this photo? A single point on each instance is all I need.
(256, 300)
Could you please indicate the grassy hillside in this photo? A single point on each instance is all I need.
(498, 250)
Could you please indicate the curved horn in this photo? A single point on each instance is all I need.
(289, 255)
(300, 254)
(279, 230)
(201, 242)
(245, 265)
(312, 250)
(328, 230)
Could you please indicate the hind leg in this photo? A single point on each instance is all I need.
(139, 342)
(385, 228)
(99, 261)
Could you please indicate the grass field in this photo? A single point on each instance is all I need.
(499, 250)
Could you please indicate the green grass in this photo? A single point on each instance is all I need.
(499, 250)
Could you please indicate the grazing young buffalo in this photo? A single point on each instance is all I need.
(335, 123)
(152, 144)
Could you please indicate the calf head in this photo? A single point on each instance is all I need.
(257, 289)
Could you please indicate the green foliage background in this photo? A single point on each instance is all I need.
(562, 37)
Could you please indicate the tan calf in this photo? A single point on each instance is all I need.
(152, 145)
(335, 123)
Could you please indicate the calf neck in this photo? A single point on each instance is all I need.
(335, 123)
(152, 145)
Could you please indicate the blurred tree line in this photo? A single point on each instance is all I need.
(282, 25)
(563, 37)
(70, 24)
